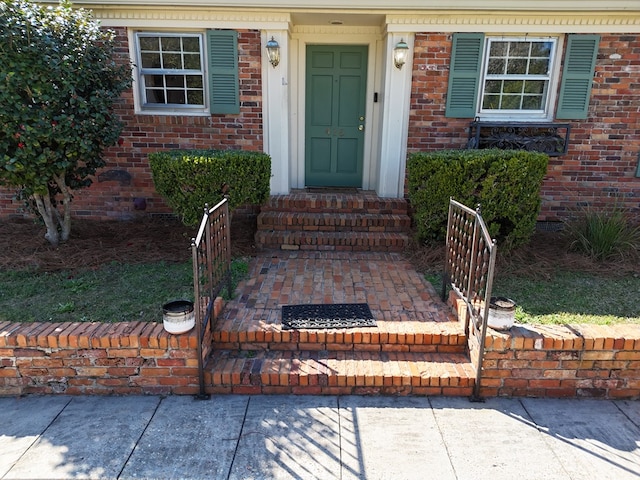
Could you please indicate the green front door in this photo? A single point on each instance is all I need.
(335, 109)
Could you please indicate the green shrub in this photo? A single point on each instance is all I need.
(604, 234)
(506, 183)
(188, 179)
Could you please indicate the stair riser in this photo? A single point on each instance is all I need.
(340, 374)
(338, 347)
(328, 204)
(329, 223)
(335, 241)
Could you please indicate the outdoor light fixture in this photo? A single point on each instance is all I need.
(273, 52)
(400, 53)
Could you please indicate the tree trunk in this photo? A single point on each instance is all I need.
(65, 221)
(50, 217)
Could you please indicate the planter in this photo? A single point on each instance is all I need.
(178, 316)
(501, 313)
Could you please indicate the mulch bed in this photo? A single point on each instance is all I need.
(95, 243)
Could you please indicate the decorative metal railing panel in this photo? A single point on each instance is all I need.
(469, 268)
(549, 138)
(211, 250)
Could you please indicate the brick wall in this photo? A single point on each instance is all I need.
(599, 168)
(583, 361)
(98, 358)
(127, 175)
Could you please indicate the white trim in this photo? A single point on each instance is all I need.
(422, 5)
(395, 121)
(275, 101)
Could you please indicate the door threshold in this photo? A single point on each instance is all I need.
(332, 189)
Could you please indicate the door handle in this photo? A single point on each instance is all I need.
(361, 127)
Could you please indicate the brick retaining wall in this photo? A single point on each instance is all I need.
(97, 358)
(559, 360)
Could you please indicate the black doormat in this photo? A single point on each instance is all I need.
(340, 315)
(331, 190)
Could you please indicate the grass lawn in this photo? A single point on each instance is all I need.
(569, 297)
(111, 293)
(573, 298)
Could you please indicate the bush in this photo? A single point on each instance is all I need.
(604, 234)
(506, 183)
(188, 179)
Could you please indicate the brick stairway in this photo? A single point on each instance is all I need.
(417, 347)
(333, 222)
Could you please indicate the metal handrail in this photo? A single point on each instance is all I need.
(469, 269)
(211, 250)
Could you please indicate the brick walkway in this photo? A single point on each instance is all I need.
(417, 346)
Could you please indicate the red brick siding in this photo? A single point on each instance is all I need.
(144, 134)
(599, 168)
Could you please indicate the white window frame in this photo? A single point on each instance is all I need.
(546, 114)
(140, 72)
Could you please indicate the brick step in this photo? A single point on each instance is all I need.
(339, 373)
(332, 241)
(232, 333)
(364, 202)
(333, 222)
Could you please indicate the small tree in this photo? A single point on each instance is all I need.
(58, 83)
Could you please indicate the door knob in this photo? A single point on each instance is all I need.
(361, 127)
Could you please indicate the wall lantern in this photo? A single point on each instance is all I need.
(400, 53)
(273, 52)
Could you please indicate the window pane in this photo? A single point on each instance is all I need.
(192, 61)
(175, 96)
(496, 66)
(195, 97)
(191, 44)
(493, 86)
(154, 80)
(155, 96)
(491, 102)
(532, 102)
(541, 49)
(150, 60)
(171, 44)
(149, 43)
(517, 66)
(499, 49)
(194, 81)
(172, 61)
(513, 86)
(538, 67)
(175, 81)
(534, 86)
(510, 102)
(519, 49)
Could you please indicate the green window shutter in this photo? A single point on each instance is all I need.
(464, 75)
(577, 76)
(223, 71)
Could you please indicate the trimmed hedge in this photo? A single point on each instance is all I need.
(188, 179)
(506, 183)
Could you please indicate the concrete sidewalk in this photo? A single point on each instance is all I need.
(274, 437)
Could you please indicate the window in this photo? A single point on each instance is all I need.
(517, 76)
(172, 73)
(187, 73)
